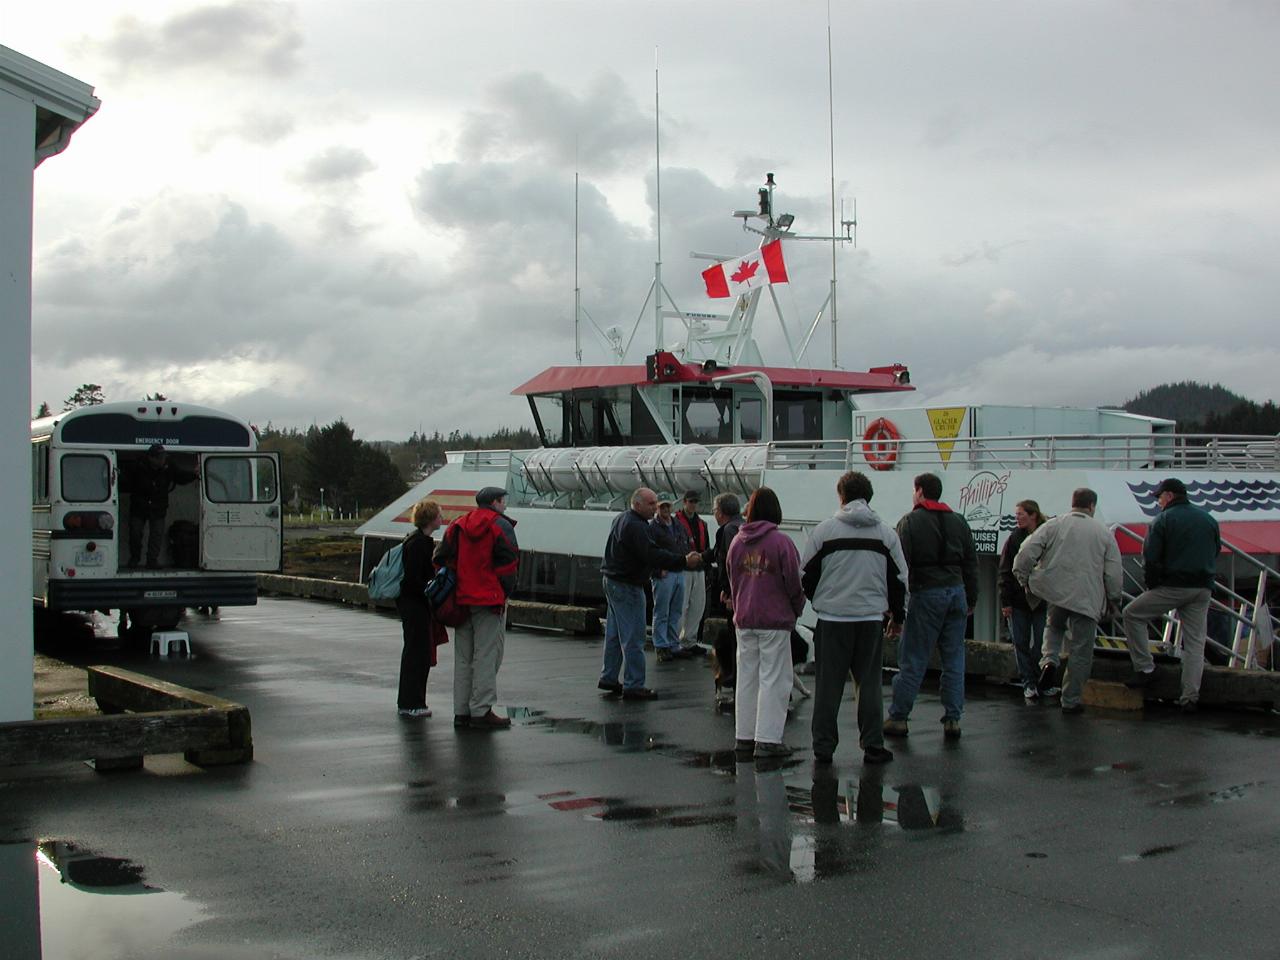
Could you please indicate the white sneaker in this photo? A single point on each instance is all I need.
(415, 713)
(1030, 693)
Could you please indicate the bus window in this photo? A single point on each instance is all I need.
(86, 478)
(240, 480)
(40, 472)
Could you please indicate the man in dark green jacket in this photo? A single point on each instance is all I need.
(1180, 557)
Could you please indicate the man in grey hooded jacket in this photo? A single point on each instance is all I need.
(853, 572)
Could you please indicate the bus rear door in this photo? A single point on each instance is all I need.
(240, 518)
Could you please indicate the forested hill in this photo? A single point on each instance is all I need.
(1204, 408)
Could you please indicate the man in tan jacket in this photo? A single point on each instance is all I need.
(1073, 564)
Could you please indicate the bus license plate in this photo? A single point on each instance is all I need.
(160, 595)
(89, 558)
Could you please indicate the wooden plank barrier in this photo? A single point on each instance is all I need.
(141, 716)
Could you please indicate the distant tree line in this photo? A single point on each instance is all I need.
(1205, 408)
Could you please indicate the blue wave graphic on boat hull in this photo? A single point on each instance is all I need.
(1216, 496)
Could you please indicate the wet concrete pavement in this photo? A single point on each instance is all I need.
(597, 827)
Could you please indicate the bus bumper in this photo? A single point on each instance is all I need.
(240, 590)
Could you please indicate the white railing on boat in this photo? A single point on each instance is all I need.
(1039, 452)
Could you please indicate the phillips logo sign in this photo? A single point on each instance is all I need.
(982, 505)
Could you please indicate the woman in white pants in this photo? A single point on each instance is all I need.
(766, 598)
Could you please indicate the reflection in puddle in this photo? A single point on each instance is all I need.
(61, 900)
(633, 736)
(780, 821)
(1225, 795)
(1147, 854)
(910, 806)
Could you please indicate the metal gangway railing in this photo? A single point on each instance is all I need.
(1254, 632)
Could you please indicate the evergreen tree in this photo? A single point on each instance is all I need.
(86, 395)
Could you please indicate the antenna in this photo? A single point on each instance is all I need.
(577, 288)
(831, 136)
(657, 186)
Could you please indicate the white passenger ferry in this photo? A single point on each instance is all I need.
(705, 416)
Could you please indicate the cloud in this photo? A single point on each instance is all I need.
(336, 166)
(532, 119)
(248, 37)
(256, 127)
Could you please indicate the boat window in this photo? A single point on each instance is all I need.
(584, 423)
(797, 416)
(644, 429)
(616, 421)
(86, 478)
(707, 416)
(548, 414)
(750, 419)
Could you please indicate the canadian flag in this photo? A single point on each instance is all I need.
(735, 277)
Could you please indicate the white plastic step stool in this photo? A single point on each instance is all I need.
(167, 642)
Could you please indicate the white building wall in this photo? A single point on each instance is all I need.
(17, 136)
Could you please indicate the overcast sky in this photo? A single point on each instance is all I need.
(306, 210)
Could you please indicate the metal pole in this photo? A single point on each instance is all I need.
(577, 290)
(831, 136)
(657, 190)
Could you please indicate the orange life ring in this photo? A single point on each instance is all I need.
(880, 444)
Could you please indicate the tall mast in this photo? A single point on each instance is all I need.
(831, 138)
(657, 181)
(577, 289)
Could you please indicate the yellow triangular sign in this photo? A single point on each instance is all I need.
(946, 422)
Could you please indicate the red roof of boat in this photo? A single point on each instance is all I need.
(559, 379)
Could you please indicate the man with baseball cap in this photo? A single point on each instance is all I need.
(695, 581)
(481, 548)
(1180, 561)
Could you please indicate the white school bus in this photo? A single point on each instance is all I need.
(221, 526)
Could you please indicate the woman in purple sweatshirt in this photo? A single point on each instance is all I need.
(766, 596)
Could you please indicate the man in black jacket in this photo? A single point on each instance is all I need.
(1180, 560)
(728, 514)
(942, 569)
(148, 481)
(630, 558)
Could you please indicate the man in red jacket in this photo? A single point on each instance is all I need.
(481, 548)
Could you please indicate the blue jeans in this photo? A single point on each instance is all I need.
(1026, 627)
(935, 617)
(624, 634)
(668, 606)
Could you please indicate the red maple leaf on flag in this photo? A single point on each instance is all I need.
(746, 270)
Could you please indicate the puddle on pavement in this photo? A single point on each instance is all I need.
(63, 901)
(633, 736)
(1150, 852)
(1225, 795)
(779, 816)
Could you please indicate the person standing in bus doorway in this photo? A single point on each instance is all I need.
(695, 581)
(481, 548)
(1180, 563)
(942, 573)
(421, 632)
(148, 481)
(668, 586)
